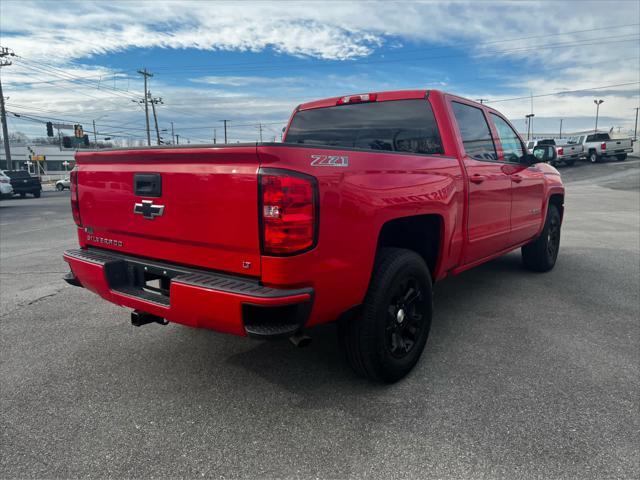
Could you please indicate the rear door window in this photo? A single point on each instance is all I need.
(397, 126)
(475, 132)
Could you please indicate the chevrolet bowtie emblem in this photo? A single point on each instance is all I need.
(148, 210)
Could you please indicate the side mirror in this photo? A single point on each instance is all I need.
(543, 154)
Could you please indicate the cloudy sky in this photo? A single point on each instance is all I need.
(252, 62)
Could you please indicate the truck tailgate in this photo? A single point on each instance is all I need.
(192, 206)
(619, 145)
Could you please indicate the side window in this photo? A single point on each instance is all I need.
(511, 144)
(475, 132)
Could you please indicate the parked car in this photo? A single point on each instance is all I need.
(6, 190)
(23, 182)
(567, 150)
(63, 183)
(369, 200)
(600, 146)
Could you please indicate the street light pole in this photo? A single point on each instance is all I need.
(597, 102)
(635, 130)
(560, 129)
(529, 127)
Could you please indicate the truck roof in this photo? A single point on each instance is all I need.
(381, 97)
(384, 96)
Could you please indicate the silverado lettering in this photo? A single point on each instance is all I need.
(257, 241)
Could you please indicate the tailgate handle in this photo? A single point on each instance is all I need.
(147, 184)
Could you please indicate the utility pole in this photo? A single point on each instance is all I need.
(597, 102)
(560, 129)
(95, 135)
(177, 139)
(173, 135)
(5, 52)
(146, 74)
(154, 102)
(215, 131)
(635, 130)
(481, 100)
(260, 127)
(225, 130)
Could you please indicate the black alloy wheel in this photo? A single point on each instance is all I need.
(404, 320)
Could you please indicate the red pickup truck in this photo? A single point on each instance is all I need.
(369, 200)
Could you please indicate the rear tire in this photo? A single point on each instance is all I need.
(541, 254)
(594, 157)
(59, 187)
(622, 157)
(384, 341)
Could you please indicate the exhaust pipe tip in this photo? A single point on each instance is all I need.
(300, 340)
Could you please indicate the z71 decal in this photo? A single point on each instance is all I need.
(329, 161)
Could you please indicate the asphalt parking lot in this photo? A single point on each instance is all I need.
(524, 376)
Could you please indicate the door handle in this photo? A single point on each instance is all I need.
(477, 179)
(516, 178)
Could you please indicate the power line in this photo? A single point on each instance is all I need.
(44, 119)
(62, 80)
(30, 118)
(65, 75)
(562, 93)
(74, 90)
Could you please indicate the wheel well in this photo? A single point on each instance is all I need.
(420, 233)
(557, 199)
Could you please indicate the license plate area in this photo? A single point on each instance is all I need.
(148, 282)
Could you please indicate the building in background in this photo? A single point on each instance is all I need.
(48, 161)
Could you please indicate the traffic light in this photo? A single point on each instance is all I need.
(49, 129)
(85, 140)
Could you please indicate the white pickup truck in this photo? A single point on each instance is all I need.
(567, 149)
(600, 146)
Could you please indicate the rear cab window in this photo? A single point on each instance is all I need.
(18, 174)
(474, 130)
(598, 137)
(396, 125)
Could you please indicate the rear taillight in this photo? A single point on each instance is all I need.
(603, 146)
(560, 151)
(289, 212)
(75, 204)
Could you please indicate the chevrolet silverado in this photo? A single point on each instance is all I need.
(599, 146)
(369, 200)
